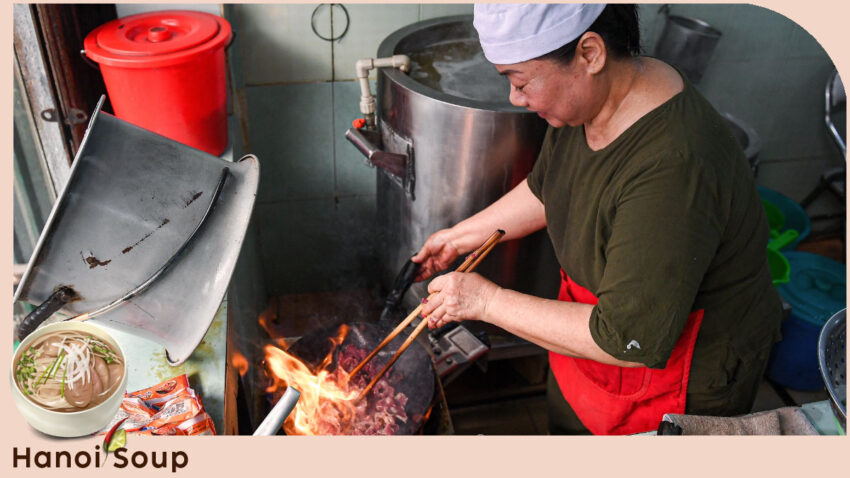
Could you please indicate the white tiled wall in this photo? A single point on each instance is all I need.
(434, 10)
(125, 9)
(370, 24)
(766, 70)
(279, 45)
(314, 183)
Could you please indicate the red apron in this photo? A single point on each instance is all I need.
(612, 400)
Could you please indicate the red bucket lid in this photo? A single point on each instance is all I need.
(156, 39)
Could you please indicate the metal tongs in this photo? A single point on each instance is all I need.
(468, 265)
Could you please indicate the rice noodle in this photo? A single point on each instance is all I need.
(46, 379)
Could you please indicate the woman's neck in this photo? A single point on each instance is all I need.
(635, 86)
(618, 80)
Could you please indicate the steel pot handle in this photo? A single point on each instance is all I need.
(56, 301)
(273, 421)
(398, 166)
(395, 164)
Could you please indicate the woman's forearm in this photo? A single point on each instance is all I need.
(519, 213)
(562, 327)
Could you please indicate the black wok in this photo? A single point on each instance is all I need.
(412, 374)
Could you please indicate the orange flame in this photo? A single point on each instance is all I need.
(267, 320)
(326, 402)
(268, 316)
(240, 363)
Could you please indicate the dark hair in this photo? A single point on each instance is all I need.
(619, 28)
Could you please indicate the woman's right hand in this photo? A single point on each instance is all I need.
(438, 253)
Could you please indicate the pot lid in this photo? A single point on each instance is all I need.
(157, 33)
(817, 287)
(132, 199)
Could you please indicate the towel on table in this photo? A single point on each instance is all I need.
(782, 421)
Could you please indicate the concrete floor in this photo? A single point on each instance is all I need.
(525, 416)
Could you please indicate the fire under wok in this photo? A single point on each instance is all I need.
(399, 404)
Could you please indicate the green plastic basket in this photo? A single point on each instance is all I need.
(783, 212)
(780, 269)
(775, 217)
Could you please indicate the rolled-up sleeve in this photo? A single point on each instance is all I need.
(664, 231)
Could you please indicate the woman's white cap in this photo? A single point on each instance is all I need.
(513, 33)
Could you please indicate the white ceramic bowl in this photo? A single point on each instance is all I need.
(68, 424)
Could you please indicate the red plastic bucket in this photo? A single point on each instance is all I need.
(165, 72)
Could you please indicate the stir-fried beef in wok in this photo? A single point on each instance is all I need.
(319, 364)
(379, 414)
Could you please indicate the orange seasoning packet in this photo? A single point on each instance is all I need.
(159, 403)
(177, 410)
(166, 430)
(163, 390)
(167, 408)
(200, 424)
(139, 414)
(136, 412)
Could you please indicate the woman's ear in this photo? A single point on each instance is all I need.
(591, 52)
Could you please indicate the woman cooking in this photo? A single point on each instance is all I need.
(666, 301)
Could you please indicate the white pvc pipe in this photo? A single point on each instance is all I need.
(363, 67)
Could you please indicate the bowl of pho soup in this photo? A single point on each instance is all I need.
(68, 378)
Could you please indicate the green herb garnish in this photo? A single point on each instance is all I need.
(59, 360)
(62, 390)
(37, 382)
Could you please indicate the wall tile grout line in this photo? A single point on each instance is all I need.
(274, 202)
(333, 47)
(286, 83)
(333, 143)
(333, 112)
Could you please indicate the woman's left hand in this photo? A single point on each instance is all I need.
(459, 296)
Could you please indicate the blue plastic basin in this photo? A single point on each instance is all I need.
(795, 216)
(816, 291)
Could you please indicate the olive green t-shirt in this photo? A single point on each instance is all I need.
(663, 221)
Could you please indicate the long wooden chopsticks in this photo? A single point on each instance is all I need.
(468, 265)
